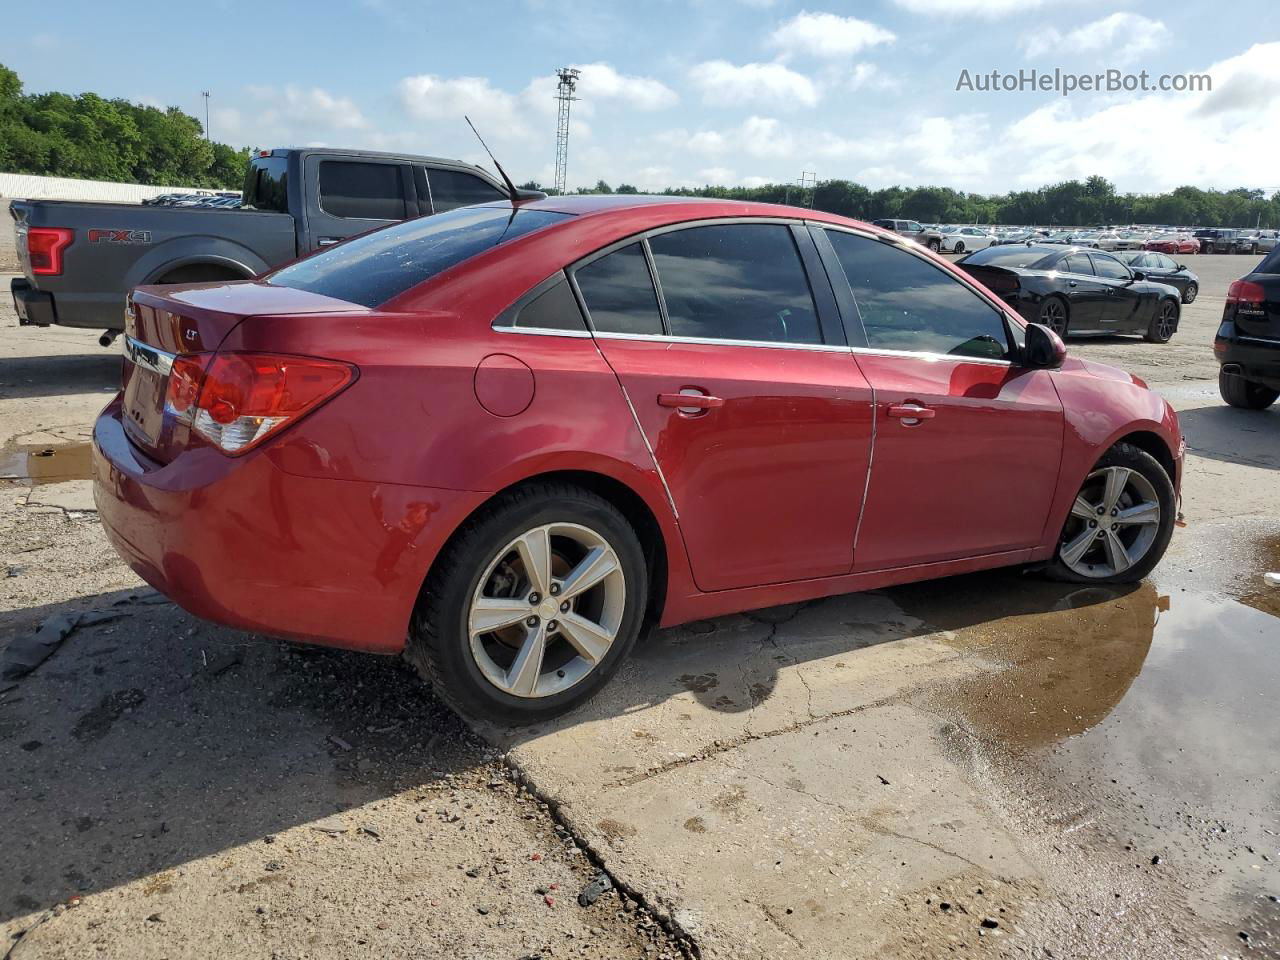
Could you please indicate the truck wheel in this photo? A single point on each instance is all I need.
(1246, 394)
(935, 245)
(200, 273)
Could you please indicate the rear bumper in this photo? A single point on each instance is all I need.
(1254, 358)
(240, 542)
(34, 307)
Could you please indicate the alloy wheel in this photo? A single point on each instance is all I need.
(546, 610)
(1166, 320)
(1189, 295)
(1114, 521)
(1054, 315)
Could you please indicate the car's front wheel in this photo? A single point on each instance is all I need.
(1120, 523)
(1246, 394)
(935, 245)
(959, 246)
(532, 606)
(1189, 294)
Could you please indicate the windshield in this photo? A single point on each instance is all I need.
(374, 267)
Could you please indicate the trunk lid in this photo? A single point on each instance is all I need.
(163, 324)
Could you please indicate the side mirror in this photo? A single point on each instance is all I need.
(1044, 349)
(1139, 275)
(1179, 266)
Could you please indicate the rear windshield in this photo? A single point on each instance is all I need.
(373, 268)
(1271, 264)
(1010, 255)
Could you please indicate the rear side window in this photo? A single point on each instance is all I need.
(266, 184)
(907, 303)
(451, 189)
(1271, 264)
(735, 282)
(1078, 263)
(361, 191)
(374, 267)
(619, 294)
(555, 308)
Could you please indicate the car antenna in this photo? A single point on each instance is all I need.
(511, 187)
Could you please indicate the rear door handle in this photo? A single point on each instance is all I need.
(327, 241)
(910, 413)
(690, 400)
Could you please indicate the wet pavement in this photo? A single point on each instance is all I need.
(41, 463)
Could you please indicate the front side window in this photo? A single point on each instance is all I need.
(618, 292)
(907, 303)
(912, 226)
(1161, 262)
(376, 266)
(361, 191)
(451, 189)
(741, 281)
(1078, 263)
(1111, 268)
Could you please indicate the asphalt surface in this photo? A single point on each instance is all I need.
(985, 765)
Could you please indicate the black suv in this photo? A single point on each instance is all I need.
(1217, 240)
(1248, 342)
(913, 230)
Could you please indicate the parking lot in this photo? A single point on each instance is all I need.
(987, 765)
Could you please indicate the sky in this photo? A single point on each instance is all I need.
(689, 92)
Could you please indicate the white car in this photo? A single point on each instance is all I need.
(964, 239)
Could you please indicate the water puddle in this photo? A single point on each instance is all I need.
(41, 463)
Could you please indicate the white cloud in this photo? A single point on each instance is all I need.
(1131, 34)
(716, 175)
(495, 112)
(602, 81)
(827, 35)
(867, 76)
(985, 9)
(722, 83)
(311, 107)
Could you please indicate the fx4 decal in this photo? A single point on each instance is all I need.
(119, 236)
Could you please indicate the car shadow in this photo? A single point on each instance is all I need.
(1222, 432)
(59, 375)
(151, 740)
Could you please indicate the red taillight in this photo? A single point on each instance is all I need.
(44, 249)
(1000, 282)
(243, 398)
(1247, 292)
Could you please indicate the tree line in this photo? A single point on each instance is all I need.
(1071, 203)
(90, 138)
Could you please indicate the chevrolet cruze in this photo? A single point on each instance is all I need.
(503, 440)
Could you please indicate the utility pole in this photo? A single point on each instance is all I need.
(808, 182)
(564, 94)
(205, 94)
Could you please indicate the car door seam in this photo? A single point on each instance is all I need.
(871, 461)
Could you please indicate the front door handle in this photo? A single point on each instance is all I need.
(1072, 283)
(327, 241)
(690, 401)
(910, 413)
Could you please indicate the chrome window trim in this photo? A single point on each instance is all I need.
(930, 356)
(716, 341)
(148, 357)
(544, 332)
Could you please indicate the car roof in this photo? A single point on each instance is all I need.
(680, 208)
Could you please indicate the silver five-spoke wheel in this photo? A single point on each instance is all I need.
(547, 610)
(1114, 521)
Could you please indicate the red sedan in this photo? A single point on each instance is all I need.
(1173, 244)
(502, 439)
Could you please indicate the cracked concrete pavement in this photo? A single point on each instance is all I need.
(989, 764)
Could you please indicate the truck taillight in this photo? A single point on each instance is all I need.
(237, 400)
(44, 249)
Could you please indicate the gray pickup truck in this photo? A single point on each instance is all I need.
(79, 260)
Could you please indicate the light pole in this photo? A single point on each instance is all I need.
(205, 94)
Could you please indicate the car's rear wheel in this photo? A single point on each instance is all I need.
(959, 246)
(1246, 394)
(1120, 523)
(1163, 323)
(1189, 294)
(532, 606)
(1054, 314)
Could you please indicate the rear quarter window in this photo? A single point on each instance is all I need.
(374, 267)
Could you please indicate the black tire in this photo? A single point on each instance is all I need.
(439, 641)
(200, 273)
(1189, 294)
(959, 246)
(1164, 321)
(935, 245)
(1055, 313)
(1137, 459)
(1245, 394)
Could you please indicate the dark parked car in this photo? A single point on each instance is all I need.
(81, 259)
(1217, 240)
(468, 438)
(1163, 269)
(913, 230)
(1248, 342)
(1077, 290)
